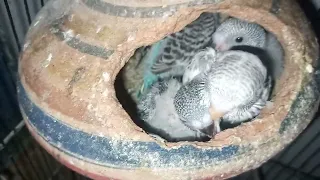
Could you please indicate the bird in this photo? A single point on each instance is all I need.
(242, 115)
(201, 62)
(157, 111)
(234, 89)
(169, 56)
(237, 32)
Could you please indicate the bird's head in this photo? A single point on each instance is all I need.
(235, 32)
(209, 125)
(205, 126)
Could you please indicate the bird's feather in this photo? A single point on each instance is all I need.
(157, 110)
(170, 56)
(234, 85)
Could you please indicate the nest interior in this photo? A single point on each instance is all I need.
(129, 80)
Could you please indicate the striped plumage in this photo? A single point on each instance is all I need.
(170, 56)
(201, 62)
(182, 46)
(239, 115)
(192, 103)
(244, 114)
(237, 84)
(157, 110)
(249, 90)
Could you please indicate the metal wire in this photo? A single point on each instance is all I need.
(37, 160)
(18, 169)
(20, 146)
(272, 169)
(314, 169)
(26, 7)
(305, 162)
(292, 169)
(12, 24)
(49, 168)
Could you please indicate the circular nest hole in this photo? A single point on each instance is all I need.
(130, 80)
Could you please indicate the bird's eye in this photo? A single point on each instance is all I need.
(239, 39)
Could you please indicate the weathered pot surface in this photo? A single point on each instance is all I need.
(74, 51)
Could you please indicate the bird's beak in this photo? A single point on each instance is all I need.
(217, 47)
(220, 47)
(215, 114)
(216, 117)
(209, 131)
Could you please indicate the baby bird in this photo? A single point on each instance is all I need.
(158, 112)
(201, 62)
(236, 32)
(170, 56)
(242, 115)
(235, 88)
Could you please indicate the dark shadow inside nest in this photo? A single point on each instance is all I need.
(127, 85)
(126, 100)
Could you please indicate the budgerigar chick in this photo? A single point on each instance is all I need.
(170, 56)
(240, 115)
(232, 89)
(236, 32)
(157, 110)
(200, 63)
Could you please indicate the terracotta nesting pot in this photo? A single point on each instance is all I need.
(75, 49)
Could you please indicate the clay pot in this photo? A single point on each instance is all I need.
(75, 49)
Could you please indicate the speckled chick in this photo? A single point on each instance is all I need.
(236, 32)
(235, 88)
(157, 110)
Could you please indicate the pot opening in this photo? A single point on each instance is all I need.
(146, 88)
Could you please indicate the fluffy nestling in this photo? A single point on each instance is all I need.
(235, 88)
(158, 112)
(236, 32)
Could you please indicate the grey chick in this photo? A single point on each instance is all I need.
(236, 32)
(203, 61)
(234, 88)
(158, 112)
(240, 115)
(170, 56)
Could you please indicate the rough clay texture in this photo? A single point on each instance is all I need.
(77, 88)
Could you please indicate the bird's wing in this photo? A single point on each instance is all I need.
(166, 57)
(180, 47)
(192, 101)
(200, 63)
